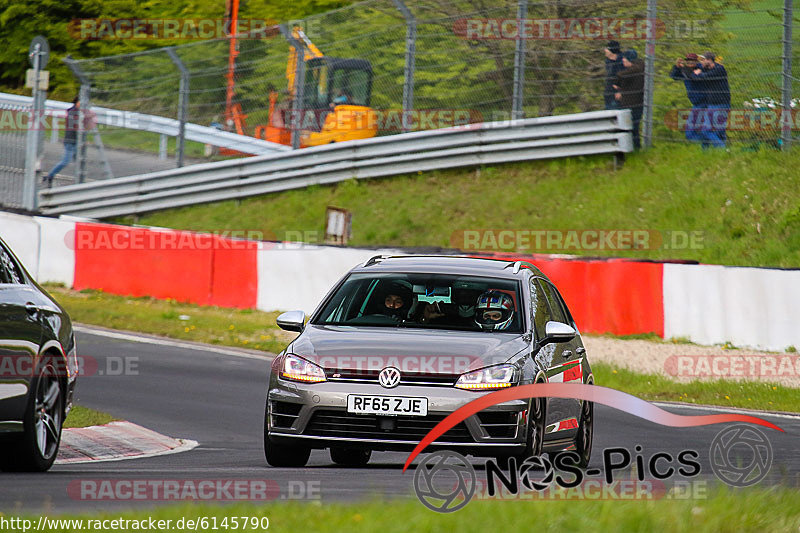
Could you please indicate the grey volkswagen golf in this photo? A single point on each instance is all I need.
(401, 342)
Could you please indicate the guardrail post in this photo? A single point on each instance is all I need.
(410, 63)
(183, 103)
(32, 139)
(84, 105)
(786, 96)
(517, 101)
(299, 83)
(649, 73)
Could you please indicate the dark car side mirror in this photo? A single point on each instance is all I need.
(291, 320)
(558, 332)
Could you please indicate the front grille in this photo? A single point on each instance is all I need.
(285, 413)
(499, 424)
(406, 378)
(329, 423)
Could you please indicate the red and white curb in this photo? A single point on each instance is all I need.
(116, 441)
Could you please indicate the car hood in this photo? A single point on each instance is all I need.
(411, 350)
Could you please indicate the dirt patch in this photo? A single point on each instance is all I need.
(685, 362)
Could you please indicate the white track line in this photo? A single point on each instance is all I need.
(162, 341)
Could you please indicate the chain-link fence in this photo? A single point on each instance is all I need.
(439, 63)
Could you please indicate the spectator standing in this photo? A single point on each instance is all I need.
(613, 66)
(630, 90)
(681, 71)
(713, 79)
(70, 140)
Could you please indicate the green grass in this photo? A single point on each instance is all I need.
(746, 205)
(81, 417)
(243, 328)
(725, 393)
(723, 511)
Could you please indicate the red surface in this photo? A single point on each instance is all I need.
(616, 296)
(189, 267)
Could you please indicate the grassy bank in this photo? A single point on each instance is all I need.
(243, 328)
(81, 417)
(723, 511)
(744, 206)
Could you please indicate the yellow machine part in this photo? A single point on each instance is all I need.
(344, 123)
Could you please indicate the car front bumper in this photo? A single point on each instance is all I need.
(315, 415)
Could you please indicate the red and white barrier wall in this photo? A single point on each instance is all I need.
(707, 304)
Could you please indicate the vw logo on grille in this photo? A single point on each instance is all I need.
(389, 377)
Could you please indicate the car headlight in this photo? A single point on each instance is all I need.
(491, 377)
(298, 369)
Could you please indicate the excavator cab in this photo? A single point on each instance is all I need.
(335, 102)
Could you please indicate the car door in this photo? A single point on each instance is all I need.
(562, 413)
(20, 335)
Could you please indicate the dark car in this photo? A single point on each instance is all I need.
(401, 342)
(38, 368)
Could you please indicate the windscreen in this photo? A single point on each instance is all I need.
(436, 301)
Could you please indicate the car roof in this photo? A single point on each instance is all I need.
(447, 264)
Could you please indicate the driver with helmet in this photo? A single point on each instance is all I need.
(494, 311)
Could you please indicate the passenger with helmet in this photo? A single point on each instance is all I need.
(396, 301)
(494, 311)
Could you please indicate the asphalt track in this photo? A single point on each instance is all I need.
(217, 398)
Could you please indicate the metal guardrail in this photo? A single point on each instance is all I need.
(155, 124)
(599, 132)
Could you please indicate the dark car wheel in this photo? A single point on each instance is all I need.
(350, 456)
(583, 441)
(281, 454)
(36, 448)
(535, 433)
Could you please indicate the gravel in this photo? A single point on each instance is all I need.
(685, 362)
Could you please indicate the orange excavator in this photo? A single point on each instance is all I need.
(335, 96)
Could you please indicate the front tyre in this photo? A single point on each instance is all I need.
(583, 441)
(282, 455)
(36, 449)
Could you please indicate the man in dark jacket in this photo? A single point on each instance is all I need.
(613, 66)
(70, 140)
(694, 91)
(630, 90)
(713, 79)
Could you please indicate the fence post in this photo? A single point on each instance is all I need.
(411, 57)
(32, 140)
(183, 103)
(786, 96)
(517, 100)
(299, 85)
(649, 74)
(84, 105)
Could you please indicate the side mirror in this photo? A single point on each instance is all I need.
(292, 320)
(558, 332)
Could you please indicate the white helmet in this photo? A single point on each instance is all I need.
(494, 310)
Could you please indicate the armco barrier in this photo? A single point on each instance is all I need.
(599, 132)
(707, 304)
(156, 124)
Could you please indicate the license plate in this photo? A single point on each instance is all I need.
(386, 405)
